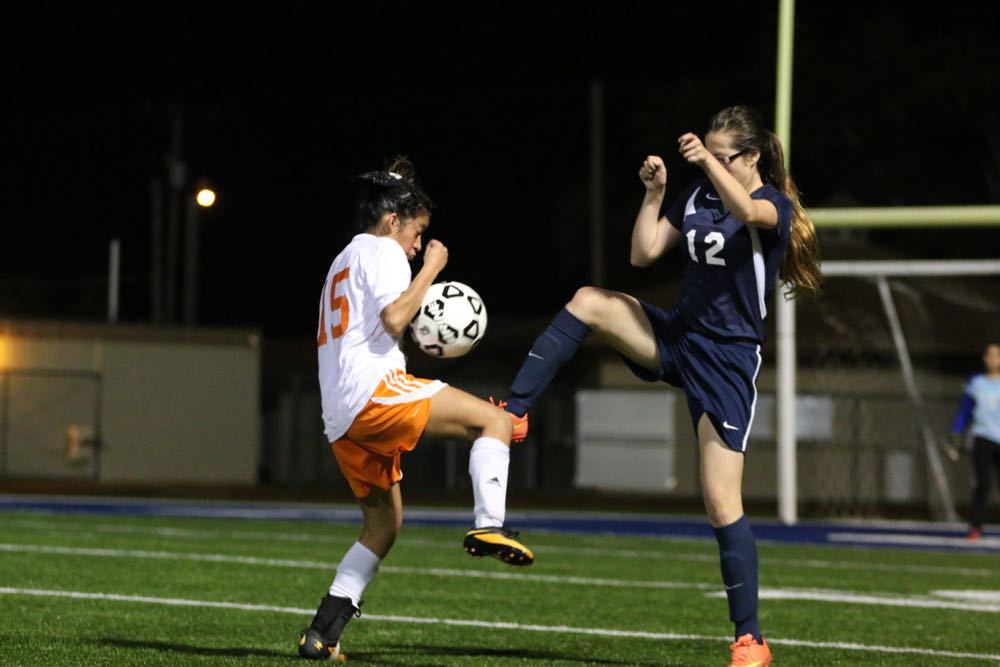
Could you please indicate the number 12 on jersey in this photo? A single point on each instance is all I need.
(337, 303)
(715, 240)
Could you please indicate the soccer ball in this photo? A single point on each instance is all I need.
(451, 320)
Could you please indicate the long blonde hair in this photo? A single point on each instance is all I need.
(800, 268)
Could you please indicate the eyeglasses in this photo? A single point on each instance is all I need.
(725, 160)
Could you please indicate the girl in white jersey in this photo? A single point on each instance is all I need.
(373, 410)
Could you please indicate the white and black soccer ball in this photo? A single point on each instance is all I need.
(451, 320)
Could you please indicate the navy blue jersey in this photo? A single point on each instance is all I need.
(731, 267)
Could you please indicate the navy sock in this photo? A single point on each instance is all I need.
(557, 345)
(738, 557)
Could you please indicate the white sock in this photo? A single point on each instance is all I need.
(356, 570)
(488, 463)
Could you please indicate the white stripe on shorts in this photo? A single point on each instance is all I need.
(753, 405)
(426, 391)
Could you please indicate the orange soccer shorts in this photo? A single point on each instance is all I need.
(391, 423)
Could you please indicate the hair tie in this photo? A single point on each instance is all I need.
(382, 178)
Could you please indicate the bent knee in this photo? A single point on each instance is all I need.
(499, 425)
(588, 304)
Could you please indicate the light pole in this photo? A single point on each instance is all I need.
(176, 178)
(205, 198)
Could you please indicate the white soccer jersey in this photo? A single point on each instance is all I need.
(355, 350)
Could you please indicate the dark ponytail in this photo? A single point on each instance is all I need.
(394, 190)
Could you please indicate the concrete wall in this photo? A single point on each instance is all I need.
(169, 405)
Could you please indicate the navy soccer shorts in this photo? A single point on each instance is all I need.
(719, 378)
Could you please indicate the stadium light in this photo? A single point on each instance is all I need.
(205, 197)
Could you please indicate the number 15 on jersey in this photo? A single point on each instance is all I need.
(338, 304)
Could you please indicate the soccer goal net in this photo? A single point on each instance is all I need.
(882, 356)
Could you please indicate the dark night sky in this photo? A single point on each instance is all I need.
(283, 102)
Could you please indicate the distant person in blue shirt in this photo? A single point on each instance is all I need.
(739, 228)
(981, 406)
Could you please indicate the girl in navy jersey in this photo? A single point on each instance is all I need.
(739, 227)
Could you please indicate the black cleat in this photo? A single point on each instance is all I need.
(321, 640)
(313, 646)
(501, 543)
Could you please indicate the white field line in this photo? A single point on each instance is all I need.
(652, 554)
(555, 629)
(813, 595)
(881, 567)
(975, 596)
(878, 599)
(330, 567)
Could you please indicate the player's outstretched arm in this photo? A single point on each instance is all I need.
(398, 314)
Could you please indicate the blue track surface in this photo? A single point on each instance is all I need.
(883, 534)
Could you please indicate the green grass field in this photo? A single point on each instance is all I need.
(98, 590)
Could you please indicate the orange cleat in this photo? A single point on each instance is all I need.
(520, 423)
(748, 653)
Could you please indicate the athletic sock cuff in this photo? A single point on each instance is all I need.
(734, 532)
(569, 324)
(489, 444)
